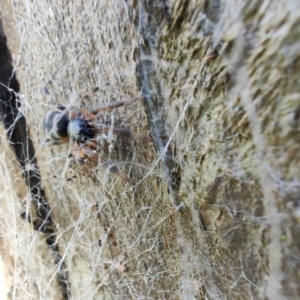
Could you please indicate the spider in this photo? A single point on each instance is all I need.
(81, 126)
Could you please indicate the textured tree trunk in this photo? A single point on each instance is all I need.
(215, 211)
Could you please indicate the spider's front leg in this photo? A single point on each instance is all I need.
(53, 101)
(92, 114)
(119, 131)
(89, 158)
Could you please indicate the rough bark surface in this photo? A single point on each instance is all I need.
(215, 213)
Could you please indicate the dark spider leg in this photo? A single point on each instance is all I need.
(114, 170)
(84, 169)
(116, 104)
(89, 95)
(94, 159)
(53, 101)
(124, 133)
(60, 141)
(92, 114)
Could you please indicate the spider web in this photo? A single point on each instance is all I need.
(215, 212)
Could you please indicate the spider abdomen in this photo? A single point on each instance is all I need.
(81, 131)
(56, 124)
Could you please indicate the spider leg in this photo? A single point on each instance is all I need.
(114, 170)
(90, 158)
(109, 107)
(53, 101)
(51, 142)
(88, 172)
(89, 95)
(104, 128)
(95, 158)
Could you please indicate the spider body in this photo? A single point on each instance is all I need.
(82, 127)
(55, 124)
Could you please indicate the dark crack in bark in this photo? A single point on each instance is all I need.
(19, 138)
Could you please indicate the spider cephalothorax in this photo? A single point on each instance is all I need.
(81, 126)
(80, 130)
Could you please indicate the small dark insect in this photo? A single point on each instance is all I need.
(81, 126)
